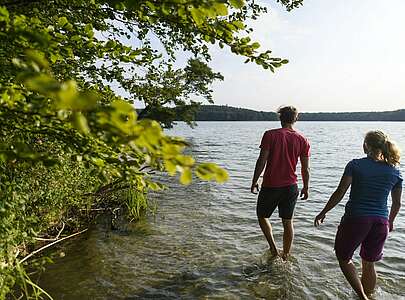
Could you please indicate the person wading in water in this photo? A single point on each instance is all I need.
(366, 220)
(280, 150)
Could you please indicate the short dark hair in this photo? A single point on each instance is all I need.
(287, 114)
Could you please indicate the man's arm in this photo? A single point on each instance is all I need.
(396, 205)
(305, 176)
(336, 197)
(260, 164)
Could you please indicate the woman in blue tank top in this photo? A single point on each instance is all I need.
(366, 220)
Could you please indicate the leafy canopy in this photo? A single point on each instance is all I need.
(70, 72)
(60, 59)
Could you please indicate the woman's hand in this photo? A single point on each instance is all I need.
(319, 219)
(391, 226)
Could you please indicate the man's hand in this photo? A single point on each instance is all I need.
(319, 219)
(304, 193)
(255, 186)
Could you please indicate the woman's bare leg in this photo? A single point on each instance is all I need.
(368, 276)
(349, 270)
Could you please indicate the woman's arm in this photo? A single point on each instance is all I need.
(396, 205)
(336, 197)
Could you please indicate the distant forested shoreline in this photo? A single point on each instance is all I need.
(229, 113)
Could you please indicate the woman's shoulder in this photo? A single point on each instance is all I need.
(397, 171)
(358, 161)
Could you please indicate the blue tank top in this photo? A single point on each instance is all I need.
(371, 184)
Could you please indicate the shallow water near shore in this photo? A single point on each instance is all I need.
(204, 241)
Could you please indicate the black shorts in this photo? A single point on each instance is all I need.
(284, 198)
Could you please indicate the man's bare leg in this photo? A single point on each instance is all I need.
(288, 236)
(368, 276)
(268, 233)
(349, 270)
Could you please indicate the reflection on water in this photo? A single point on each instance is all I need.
(204, 242)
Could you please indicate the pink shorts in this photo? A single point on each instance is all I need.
(369, 232)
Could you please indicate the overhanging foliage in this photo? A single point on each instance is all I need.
(62, 63)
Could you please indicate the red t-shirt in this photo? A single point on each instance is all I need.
(285, 146)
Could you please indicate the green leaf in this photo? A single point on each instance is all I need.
(237, 3)
(238, 24)
(154, 185)
(186, 176)
(122, 106)
(221, 175)
(98, 161)
(110, 44)
(80, 123)
(170, 150)
(197, 16)
(37, 57)
(53, 57)
(220, 9)
(255, 45)
(170, 167)
(62, 21)
(185, 160)
(42, 84)
(4, 15)
(210, 171)
(88, 29)
(69, 98)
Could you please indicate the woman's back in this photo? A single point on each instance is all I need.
(372, 181)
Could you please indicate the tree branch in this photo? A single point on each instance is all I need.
(51, 244)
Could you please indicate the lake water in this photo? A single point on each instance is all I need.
(204, 241)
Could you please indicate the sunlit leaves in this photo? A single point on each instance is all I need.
(62, 21)
(237, 3)
(88, 29)
(80, 122)
(198, 16)
(4, 15)
(69, 97)
(186, 176)
(42, 83)
(220, 9)
(170, 167)
(291, 4)
(210, 171)
(37, 58)
(123, 117)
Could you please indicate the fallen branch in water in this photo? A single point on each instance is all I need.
(55, 238)
(51, 244)
(95, 209)
(63, 227)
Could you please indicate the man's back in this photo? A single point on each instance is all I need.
(280, 149)
(285, 146)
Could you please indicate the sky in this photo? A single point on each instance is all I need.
(344, 55)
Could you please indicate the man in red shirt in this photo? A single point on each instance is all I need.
(280, 150)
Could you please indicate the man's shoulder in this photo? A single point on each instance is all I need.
(301, 136)
(272, 130)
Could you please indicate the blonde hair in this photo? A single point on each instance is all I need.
(379, 144)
